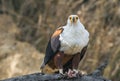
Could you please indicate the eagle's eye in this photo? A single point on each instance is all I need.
(76, 17)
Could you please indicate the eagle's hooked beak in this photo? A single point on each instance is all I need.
(73, 19)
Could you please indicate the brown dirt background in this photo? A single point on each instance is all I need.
(25, 27)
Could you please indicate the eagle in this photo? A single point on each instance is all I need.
(67, 47)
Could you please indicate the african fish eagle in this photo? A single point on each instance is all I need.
(67, 46)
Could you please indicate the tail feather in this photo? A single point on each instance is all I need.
(42, 65)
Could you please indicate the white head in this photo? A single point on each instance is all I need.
(73, 19)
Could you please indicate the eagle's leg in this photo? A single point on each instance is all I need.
(58, 61)
(75, 63)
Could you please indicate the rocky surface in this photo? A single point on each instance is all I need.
(94, 76)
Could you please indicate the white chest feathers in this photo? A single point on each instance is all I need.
(73, 39)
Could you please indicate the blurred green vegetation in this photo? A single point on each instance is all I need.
(37, 19)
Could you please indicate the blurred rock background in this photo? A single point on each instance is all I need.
(26, 26)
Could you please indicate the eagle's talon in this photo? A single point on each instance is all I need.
(78, 74)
